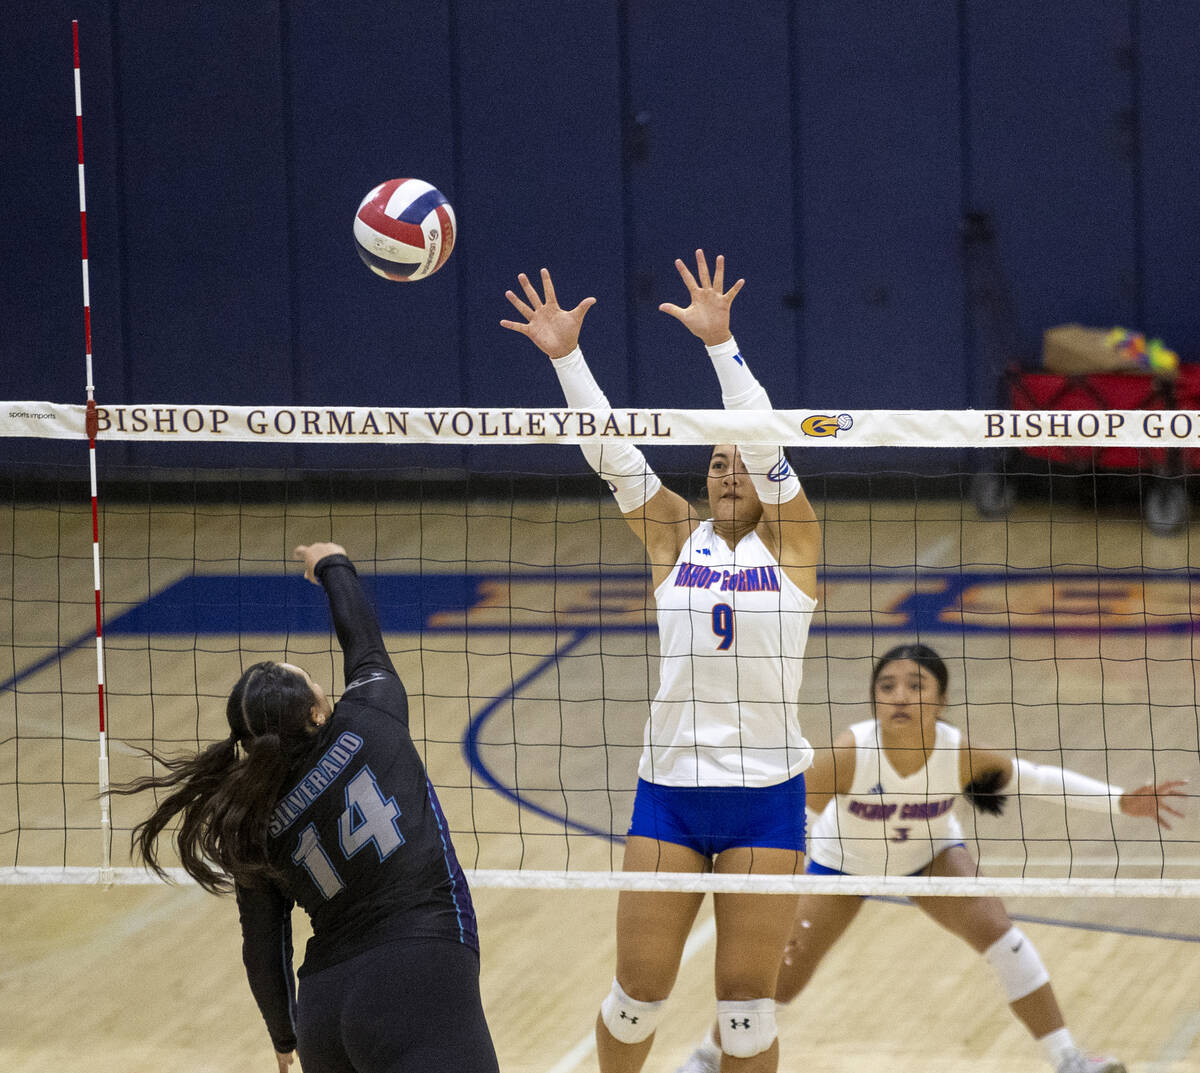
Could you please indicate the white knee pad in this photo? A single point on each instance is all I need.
(629, 1020)
(1016, 962)
(747, 1028)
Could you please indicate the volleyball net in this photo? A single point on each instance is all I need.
(516, 605)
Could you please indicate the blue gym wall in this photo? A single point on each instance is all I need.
(830, 149)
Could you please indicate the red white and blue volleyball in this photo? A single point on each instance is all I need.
(404, 229)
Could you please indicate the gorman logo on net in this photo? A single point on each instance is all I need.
(826, 425)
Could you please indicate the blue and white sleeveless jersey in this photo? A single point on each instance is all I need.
(732, 630)
(891, 824)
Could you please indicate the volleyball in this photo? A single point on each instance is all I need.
(404, 229)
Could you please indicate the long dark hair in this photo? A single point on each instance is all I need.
(224, 794)
(922, 656)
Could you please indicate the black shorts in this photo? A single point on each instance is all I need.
(407, 1007)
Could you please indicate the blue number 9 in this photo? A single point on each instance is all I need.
(722, 618)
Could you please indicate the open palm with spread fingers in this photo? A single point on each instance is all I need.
(553, 330)
(1149, 801)
(707, 317)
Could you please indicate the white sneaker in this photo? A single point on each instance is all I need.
(707, 1059)
(1083, 1063)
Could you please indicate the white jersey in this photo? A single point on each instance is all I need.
(891, 824)
(732, 629)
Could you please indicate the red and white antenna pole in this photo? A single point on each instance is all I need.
(92, 425)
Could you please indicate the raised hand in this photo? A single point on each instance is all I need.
(553, 330)
(1149, 801)
(311, 554)
(708, 315)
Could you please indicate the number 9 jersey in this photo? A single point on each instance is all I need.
(732, 630)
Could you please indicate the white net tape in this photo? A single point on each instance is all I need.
(895, 886)
(175, 423)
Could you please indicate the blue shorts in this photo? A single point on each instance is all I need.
(710, 819)
(813, 869)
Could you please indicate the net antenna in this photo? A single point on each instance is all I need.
(92, 426)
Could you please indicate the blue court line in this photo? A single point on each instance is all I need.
(45, 661)
(475, 761)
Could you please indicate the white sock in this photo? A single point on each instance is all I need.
(1057, 1045)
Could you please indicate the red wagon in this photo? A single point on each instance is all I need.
(1164, 499)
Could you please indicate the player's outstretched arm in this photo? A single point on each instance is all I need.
(986, 775)
(789, 519)
(661, 519)
(326, 564)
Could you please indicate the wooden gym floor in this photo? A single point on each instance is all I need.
(529, 667)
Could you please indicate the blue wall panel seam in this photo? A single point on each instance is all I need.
(628, 226)
(287, 109)
(1139, 214)
(971, 347)
(797, 282)
(454, 73)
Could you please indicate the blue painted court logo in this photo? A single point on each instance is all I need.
(869, 601)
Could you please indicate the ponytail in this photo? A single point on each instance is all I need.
(225, 794)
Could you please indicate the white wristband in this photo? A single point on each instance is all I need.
(1078, 791)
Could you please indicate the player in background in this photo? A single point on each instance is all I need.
(885, 799)
(721, 783)
(328, 806)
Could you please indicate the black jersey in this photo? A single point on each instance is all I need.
(358, 838)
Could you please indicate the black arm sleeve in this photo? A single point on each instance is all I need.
(266, 917)
(353, 618)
